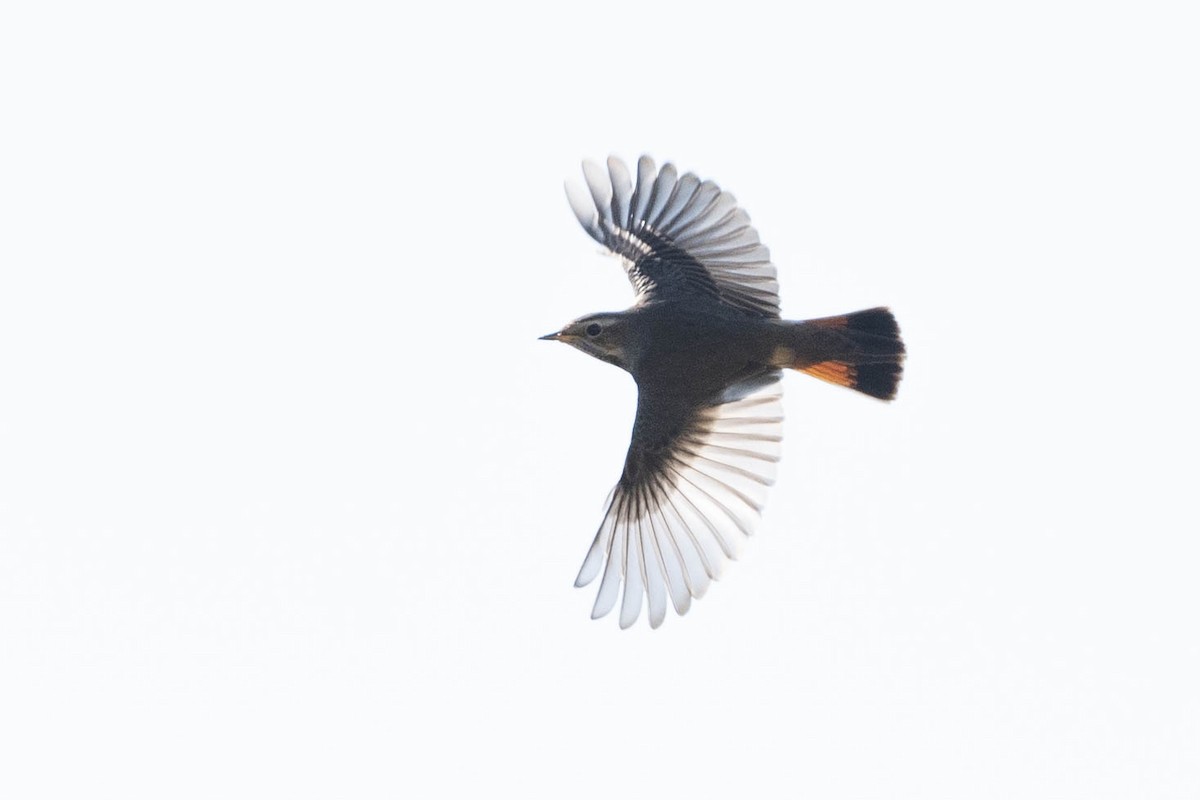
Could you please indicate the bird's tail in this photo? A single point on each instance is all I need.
(862, 351)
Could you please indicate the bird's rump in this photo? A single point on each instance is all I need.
(677, 235)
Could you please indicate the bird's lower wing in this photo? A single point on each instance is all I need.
(682, 509)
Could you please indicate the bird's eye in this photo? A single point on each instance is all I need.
(593, 329)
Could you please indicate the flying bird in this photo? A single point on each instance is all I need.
(705, 344)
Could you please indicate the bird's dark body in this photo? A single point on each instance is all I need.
(706, 346)
(693, 350)
(683, 356)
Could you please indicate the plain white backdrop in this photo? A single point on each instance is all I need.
(291, 498)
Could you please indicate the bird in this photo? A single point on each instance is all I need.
(706, 345)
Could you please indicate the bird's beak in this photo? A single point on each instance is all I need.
(551, 336)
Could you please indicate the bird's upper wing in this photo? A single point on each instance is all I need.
(678, 236)
(693, 485)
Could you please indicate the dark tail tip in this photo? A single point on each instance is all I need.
(875, 330)
(878, 380)
(881, 352)
(868, 354)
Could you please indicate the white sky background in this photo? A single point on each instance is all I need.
(291, 499)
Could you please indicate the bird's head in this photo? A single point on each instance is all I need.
(604, 336)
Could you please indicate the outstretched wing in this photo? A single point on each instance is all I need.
(678, 236)
(692, 490)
